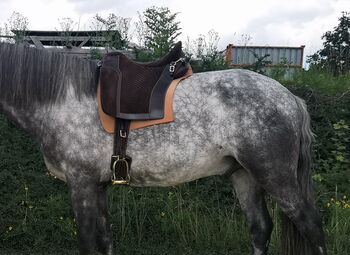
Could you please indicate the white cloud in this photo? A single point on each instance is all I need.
(42, 14)
(273, 22)
(119, 7)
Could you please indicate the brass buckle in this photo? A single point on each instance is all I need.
(114, 179)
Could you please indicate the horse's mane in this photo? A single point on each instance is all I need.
(29, 75)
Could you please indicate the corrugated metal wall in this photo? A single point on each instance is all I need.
(244, 55)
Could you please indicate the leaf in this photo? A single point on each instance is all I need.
(317, 178)
(337, 126)
(340, 158)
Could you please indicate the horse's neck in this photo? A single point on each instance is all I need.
(28, 119)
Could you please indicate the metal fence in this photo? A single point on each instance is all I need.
(248, 55)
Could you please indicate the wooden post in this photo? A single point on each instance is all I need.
(37, 42)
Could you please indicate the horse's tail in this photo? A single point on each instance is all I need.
(293, 243)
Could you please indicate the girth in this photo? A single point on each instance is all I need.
(132, 92)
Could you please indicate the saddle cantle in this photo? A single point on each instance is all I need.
(132, 95)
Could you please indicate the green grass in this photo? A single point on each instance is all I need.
(201, 217)
(338, 229)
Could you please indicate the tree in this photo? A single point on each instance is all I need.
(161, 31)
(66, 27)
(260, 63)
(244, 39)
(335, 55)
(66, 24)
(116, 30)
(141, 30)
(205, 54)
(19, 23)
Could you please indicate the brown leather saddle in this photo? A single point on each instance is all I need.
(133, 95)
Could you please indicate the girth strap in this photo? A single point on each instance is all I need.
(120, 162)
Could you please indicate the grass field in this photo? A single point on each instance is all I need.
(201, 217)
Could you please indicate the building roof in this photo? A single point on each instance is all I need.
(62, 38)
(60, 33)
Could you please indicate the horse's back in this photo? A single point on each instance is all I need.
(239, 86)
(240, 109)
(244, 97)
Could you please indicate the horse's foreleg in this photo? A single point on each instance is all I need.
(84, 202)
(104, 233)
(252, 201)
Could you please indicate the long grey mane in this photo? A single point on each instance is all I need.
(30, 75)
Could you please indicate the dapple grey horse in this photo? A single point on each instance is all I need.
(235, 122)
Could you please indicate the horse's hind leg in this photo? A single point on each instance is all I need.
(252, 201)
(303, 215)
(277, 175)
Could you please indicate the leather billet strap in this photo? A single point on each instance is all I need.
(120, 162)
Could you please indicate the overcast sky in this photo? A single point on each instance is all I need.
(268, 22)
